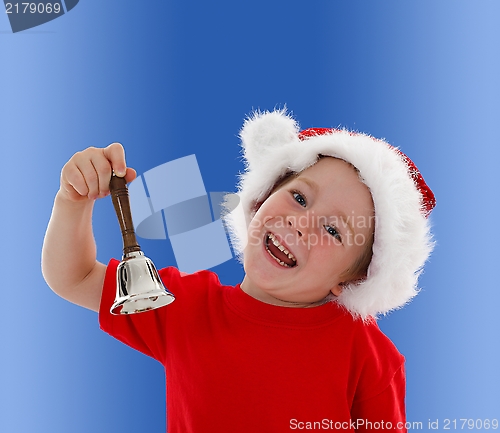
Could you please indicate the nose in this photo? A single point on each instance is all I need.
(299, 223)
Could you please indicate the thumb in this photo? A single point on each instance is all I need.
(115, 154)
(131, 175)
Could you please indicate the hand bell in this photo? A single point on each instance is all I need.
(138, 285)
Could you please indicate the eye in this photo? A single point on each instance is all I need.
(334, 232)
(299, 198)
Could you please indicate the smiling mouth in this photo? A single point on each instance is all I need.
(278, 252)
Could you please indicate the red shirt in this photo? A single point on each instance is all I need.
(235, 364)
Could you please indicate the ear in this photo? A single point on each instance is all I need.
(337, 290)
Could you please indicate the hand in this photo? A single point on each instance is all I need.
(87, 174)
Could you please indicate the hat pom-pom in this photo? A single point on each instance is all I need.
(264, 131)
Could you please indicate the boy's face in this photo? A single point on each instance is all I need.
(307, 234)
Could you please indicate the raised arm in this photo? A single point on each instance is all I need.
(69, 263)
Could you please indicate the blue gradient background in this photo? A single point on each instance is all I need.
(172, 78)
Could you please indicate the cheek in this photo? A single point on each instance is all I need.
(254, 245)
(249, 258)
(255, 228)
(330, 260)
(258, 219)
(253, 233)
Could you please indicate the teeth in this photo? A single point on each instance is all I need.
(281, 248)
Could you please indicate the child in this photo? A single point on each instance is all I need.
(334, 232)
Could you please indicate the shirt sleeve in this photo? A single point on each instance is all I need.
(385, 411)
(143, 332)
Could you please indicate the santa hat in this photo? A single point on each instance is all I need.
(274, 146)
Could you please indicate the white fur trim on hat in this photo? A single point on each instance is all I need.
(402, 240)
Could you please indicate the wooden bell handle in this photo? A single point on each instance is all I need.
(121, 202)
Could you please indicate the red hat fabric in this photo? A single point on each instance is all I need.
(428, 198)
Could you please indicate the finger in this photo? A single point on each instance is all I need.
(131, 175)
(103, 169)
(73, 182)
(116, 156)
(90, 176)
